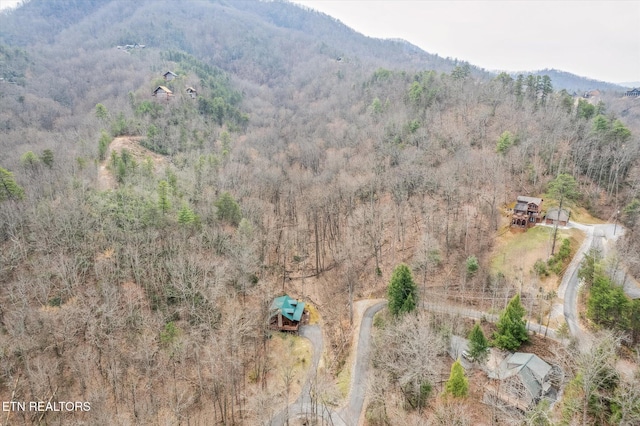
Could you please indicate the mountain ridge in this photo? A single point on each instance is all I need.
(144, 233)
(88, 18)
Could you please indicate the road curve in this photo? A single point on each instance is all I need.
(597, 236)
(349, 415)
(570, 285)
(302, 404)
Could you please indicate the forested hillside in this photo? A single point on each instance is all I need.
(580, 85)
(143, 238)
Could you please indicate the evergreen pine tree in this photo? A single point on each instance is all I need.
(458, 384)
(228, 209)
(402, 292)
(607, 305)
(163, 197)
(103, 145)
(478, 344)
(9, 189)
(186, 216)
(29, 160)
(47, 157)
(512, 330)
(409, 304)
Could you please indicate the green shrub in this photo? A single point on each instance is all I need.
(540, 268)
(472, 265)
(228, 209)
(169, 334)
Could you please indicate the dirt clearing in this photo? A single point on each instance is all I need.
(106, 180)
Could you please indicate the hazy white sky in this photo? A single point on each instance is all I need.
(8, 3)
(595, 39)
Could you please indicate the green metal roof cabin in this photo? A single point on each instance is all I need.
(286, 313)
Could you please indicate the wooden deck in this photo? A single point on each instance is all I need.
(287, 325)
(507, 398)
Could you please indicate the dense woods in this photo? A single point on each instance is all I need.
(143, 239)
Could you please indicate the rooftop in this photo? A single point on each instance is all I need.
(555, 212)
(162, 88)
(524, 199)
(532, 370)
(290, 308)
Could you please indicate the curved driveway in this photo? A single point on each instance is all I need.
(302, 404)
(568, 290)
(350, 414)
(598, 236)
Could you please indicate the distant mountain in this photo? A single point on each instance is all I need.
(124, 270)
(260, 41)
(277, 36)
(574, 83)
(631, 84)
(228, 33)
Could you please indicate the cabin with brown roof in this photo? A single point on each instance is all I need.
(162, 93)
(527, 212)
(591, 93)
(191, 92)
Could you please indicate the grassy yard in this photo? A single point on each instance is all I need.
(515, 253)
(314, 315)
(291, 356)
(578, 214)
(581, 215)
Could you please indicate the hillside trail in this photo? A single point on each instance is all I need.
(106, 179)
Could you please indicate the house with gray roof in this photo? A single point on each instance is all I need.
(555, 215)
(524, 380)
(168, 76)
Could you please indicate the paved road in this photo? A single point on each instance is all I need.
(599, 236)
(302, 405)
(570, 286)
(350, 415)
(479, 315)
